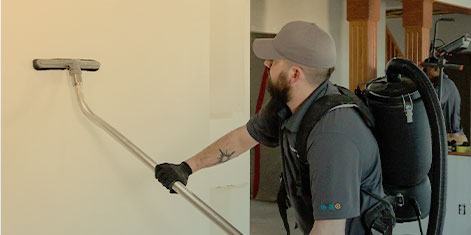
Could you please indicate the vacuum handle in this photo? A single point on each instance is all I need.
(149, 162)
(458, 67)
(204, 208)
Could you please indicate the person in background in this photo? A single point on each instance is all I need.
(450, 101)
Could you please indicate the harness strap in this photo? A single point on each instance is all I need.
(283, 205)
(325, 104)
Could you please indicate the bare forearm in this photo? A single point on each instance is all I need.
(225, 148)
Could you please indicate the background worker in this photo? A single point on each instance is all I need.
(450, 101)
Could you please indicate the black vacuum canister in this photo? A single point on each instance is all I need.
(404, 138)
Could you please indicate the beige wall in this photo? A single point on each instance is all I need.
(269, 16)
(168, 70)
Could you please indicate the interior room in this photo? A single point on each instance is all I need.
(125, 117)
(391, 42)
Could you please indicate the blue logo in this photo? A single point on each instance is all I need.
(323, 207)
(332, 206)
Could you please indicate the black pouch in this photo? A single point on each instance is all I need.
(380, 216)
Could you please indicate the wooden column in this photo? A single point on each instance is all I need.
(363, 17)
(417, 20)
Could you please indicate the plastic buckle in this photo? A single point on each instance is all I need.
(400, 200)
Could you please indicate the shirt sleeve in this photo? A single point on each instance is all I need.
(264, 126)
(334, 176)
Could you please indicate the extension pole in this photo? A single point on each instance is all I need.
(76, 74)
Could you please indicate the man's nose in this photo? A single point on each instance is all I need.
(268, 63)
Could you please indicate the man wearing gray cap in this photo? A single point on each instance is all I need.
(342, 154)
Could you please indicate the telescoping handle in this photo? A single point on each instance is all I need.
(458, 67)
(75, 73)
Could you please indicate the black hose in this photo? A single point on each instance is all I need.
(439, 145)
(416, 206)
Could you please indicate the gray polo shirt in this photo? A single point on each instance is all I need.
(451, 103)
(342, 153)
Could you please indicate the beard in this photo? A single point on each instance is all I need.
(279, 91)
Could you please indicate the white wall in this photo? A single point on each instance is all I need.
(463, 3)
(168, 69)
(381, 41)
(458, 193)
(397, 30)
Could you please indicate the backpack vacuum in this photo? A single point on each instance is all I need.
(411, 135)
(403, 111)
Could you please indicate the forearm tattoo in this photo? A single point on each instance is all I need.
(225, 156)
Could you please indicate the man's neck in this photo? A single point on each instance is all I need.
(299, 96)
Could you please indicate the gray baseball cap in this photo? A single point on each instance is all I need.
(301, 42)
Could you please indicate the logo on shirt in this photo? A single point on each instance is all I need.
(332, 206)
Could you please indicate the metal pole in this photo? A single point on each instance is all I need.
(76, 74)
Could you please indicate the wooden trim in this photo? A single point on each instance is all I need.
(417, 20)
(467, 154)
(363, 17)
(362, 52)
(363, 10)
(393, 13)
(417, 13)
(417, 43)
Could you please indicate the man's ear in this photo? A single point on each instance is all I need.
(295, 73)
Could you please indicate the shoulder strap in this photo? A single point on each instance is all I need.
(360, 106)
(283, 205)
(325, 104)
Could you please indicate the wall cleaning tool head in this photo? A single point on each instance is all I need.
(61, 64)
(75, 66)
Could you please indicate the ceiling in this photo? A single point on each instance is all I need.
(394, 8)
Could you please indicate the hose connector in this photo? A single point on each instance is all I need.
(75, 72)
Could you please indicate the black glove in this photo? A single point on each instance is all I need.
(167, 174)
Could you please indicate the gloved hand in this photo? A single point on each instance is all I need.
(167, 174)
